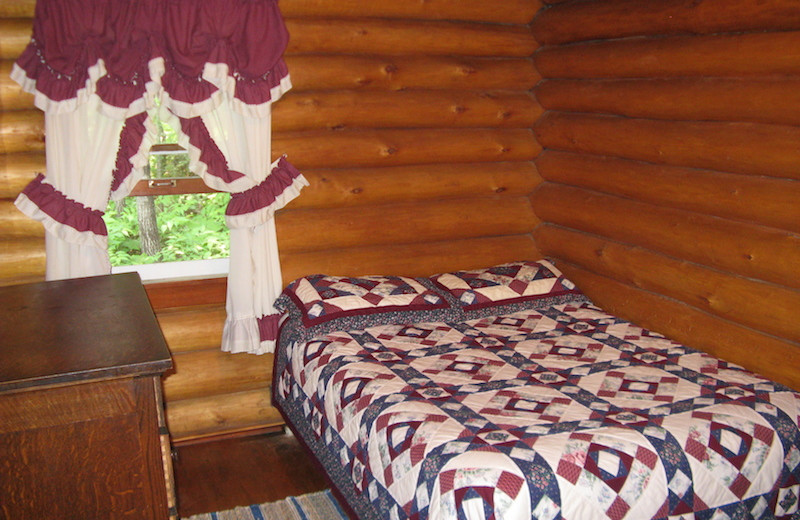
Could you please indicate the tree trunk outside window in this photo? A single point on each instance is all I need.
(149, 235)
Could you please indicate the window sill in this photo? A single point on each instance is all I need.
(176, 271)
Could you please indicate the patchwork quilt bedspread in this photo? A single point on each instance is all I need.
(550, 412)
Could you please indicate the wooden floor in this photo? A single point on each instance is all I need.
(220, 475)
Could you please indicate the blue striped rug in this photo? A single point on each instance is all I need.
(313, 506)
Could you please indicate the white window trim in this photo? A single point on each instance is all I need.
(175, 271)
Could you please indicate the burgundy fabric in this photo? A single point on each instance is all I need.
(268, 327)
(210, 154)
(129, 143)
(69, 36)
(266, 193)
(64, 210)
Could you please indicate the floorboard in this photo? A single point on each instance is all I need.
(223, 474)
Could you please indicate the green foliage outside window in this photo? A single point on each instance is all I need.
(192, 227)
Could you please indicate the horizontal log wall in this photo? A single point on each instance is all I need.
(671, 162)
(21, 154)
(412, 121)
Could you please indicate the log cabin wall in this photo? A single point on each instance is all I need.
(21, 154)
(671, 164)
(412, 121)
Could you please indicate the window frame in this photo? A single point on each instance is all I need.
(179, 270)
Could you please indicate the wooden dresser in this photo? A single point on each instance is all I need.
(81, 418)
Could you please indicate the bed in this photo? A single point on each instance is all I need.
(505, 393)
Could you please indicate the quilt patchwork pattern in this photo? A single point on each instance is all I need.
(505, 284)
(322, 298)
(564, 412)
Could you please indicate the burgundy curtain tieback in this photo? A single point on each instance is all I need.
(63, 209)
(266, 193)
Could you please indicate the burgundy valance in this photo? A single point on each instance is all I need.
(122, 50)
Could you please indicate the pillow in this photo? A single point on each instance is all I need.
(508, 288)
(319, 303)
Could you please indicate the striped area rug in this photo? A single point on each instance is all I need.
(313, 506)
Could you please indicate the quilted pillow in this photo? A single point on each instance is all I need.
(508, 287)
(320, 303)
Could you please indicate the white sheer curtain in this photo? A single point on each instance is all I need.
(95, 68)
(81, 149)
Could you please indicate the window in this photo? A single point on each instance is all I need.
(171, 225)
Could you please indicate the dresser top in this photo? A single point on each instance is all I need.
(80, 329)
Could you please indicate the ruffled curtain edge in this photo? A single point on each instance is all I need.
(58, 229)
(240, 334)
(218, 75)
(259, 204)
